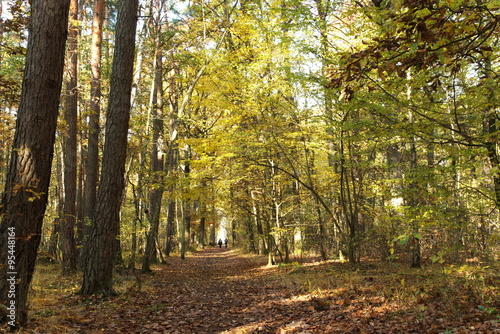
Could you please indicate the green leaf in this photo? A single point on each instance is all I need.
(493, 5)
(402, 239)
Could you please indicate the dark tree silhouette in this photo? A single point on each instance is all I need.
(25, 196)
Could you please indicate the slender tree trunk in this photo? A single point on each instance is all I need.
(201, 232)
(70, 146)
(186, 212)
(356, 190)
(323, 237)
(251, 237)
(25, 196)
(138, 216)
(172, 152)
(183, 230)
(92, 154)
(212, 234)
(271, 245)
(171, 165)
(157, 163)
(141, 38)
(98, 270)
(203, 219)
(80, 203)
(347, 201)
(413, 196)
(413, 201)
(55, 236)
(170, 227)
(53, 248)
(3, 156)
(187, 218)
(261, 245)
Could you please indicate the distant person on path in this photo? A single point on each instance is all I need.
(220, 243)
(225, 242)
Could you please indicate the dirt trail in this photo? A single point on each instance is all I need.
(216, 290)
(213, 290)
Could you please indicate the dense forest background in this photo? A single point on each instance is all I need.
(350, 129)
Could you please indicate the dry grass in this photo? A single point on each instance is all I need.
(457, 291)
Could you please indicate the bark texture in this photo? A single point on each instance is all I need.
(70, 146)
(25, 197)
(98, 268)
(92, 154)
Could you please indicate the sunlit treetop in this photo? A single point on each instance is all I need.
(422, 35)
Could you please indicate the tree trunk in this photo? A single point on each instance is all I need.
(173, 151)
(146, 15)
(156, 193)
(98, 269)
(187, 222)
(55, 239)
(25, 196)
(347, 200)
(323, 235)
(491, 132)
(92, 154)
(53, 247)
(186, 213)
(70, 146)
(414, 198)
(184, 208)
(212, 234)
(203, 219)
(261, 245)
(137, 200)
(251, 237)
(170, 227)
(80, 203)
(413, 201)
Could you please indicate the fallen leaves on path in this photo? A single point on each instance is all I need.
(220, 290)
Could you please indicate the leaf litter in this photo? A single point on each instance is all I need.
(219, 290)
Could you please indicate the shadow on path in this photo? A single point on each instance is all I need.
(218, 290)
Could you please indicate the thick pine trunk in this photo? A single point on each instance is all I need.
(98, 268)
(25, 197)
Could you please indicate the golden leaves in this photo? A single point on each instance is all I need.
(424, 36)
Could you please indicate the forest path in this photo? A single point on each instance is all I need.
(219, 290)
(216, 290)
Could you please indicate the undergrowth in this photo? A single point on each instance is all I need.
(451, 297)
(448, 291)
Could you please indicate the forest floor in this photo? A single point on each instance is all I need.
(219, 290)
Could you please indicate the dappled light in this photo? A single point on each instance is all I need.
(225, 291)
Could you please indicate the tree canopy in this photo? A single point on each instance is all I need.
(352, 129)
